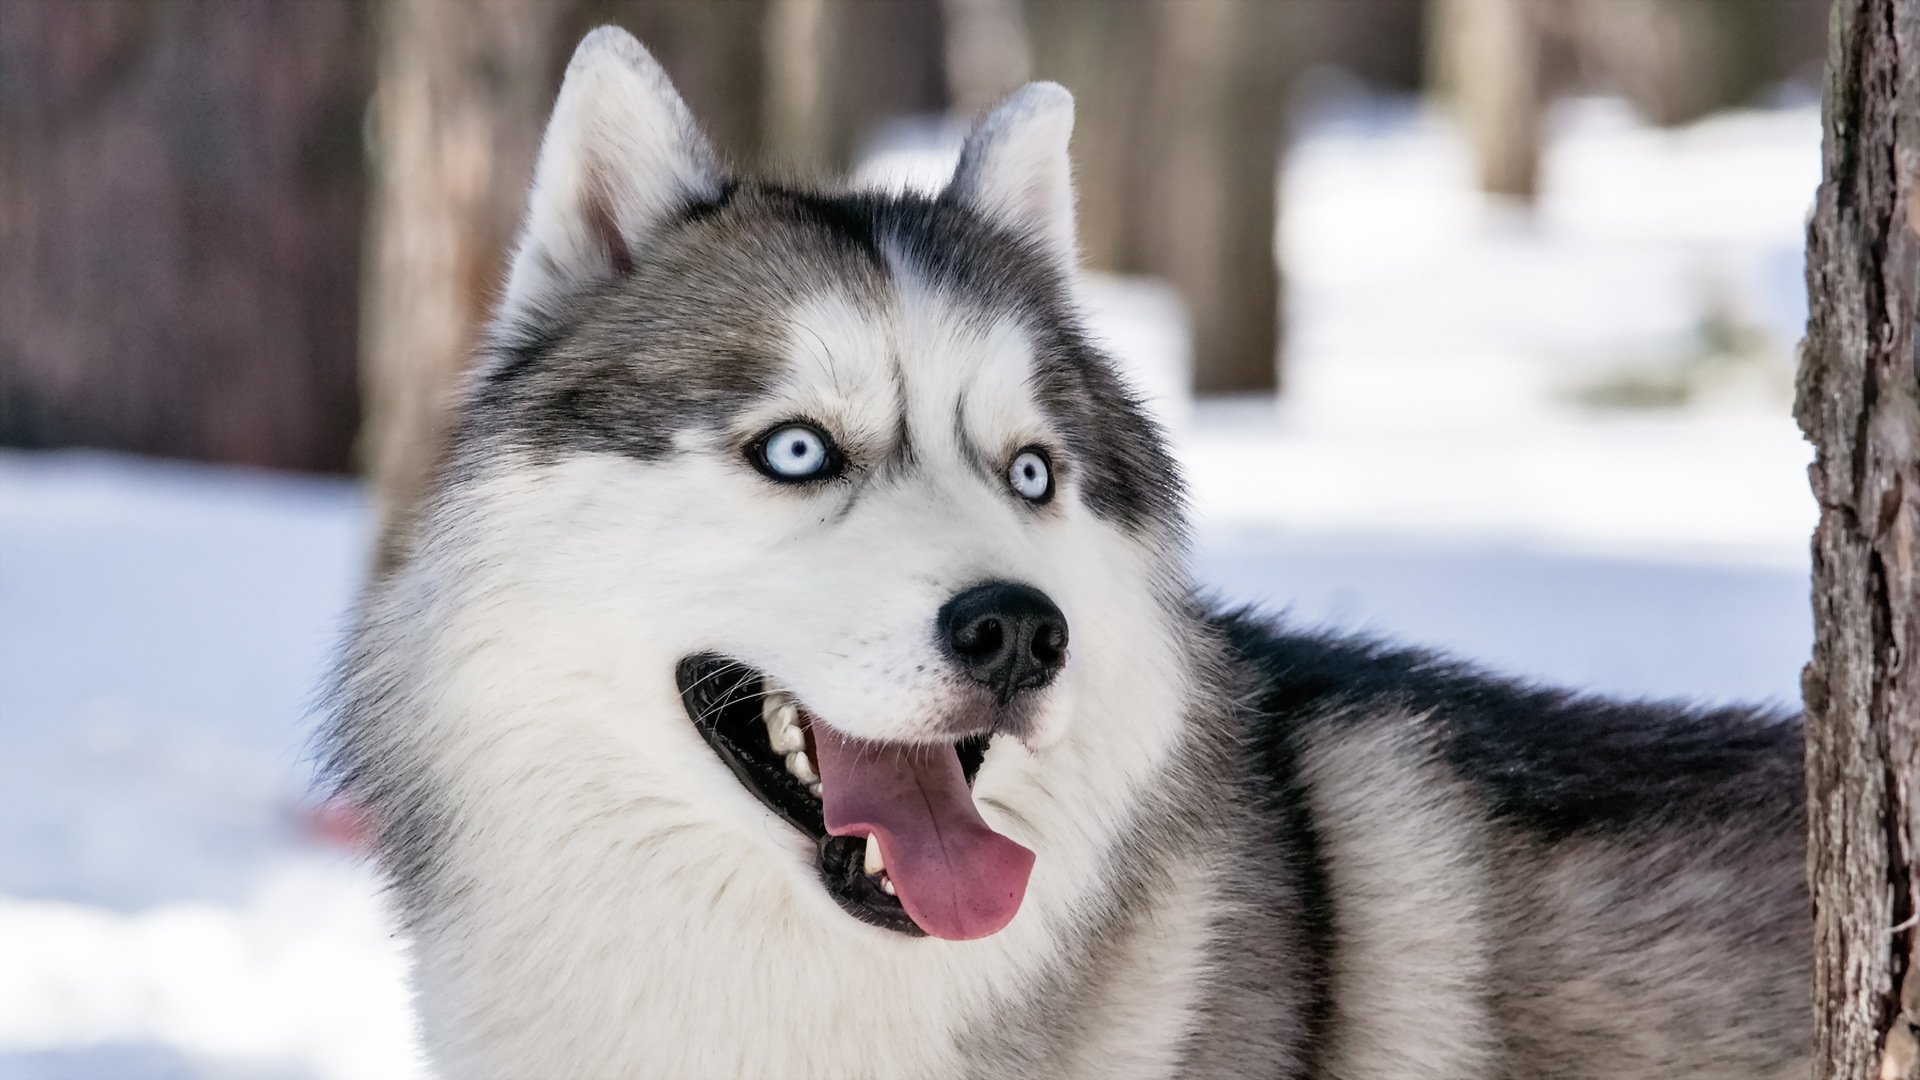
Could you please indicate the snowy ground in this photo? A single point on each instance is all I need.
(1433, 475)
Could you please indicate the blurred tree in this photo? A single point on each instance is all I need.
(1859, 404)
(1498, 62)
(1678, 60)
(1486, 63)
(1182, 115)
(837, 70)
(888, 63)
(987, 52)
(462, 88)
(715, 50)
(1209, 217)
(798, 113)
(180, 197)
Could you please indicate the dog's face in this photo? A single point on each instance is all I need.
(842, 469)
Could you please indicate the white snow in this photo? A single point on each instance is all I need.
(1430, 476)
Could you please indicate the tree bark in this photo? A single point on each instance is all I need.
(1859, 404)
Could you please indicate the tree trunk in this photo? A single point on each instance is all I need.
(1486, 62)
(714, 50)
(797, 43)
(1176, 155)
(1678, 60)
(180, 193)
(462, 89)
(1210, 215)
(1859, 404)
(987, 54)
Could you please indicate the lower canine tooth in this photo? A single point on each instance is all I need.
(802, 767)
(873, 863)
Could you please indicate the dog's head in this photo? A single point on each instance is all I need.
(841, 471)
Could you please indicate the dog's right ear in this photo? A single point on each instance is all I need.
(621, 154)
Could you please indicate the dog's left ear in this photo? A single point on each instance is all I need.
(1014, 168)
(620, 155)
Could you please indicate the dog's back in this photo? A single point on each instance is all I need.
(1514, 882)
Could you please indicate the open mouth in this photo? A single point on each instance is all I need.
(900, 844)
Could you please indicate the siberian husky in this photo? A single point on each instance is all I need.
(797, 673)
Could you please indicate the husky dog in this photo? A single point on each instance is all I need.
(797, 673)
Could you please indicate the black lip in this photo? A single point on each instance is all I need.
(722, 698)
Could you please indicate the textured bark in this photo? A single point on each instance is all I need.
(180, 192)
(1859, 403)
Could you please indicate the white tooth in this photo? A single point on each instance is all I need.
(886, 886)
(782, 718)
(773, 704)
(815, 788)
(802, 767)
(787, 737)
(874, 863)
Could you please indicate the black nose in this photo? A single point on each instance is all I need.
(1005, 636)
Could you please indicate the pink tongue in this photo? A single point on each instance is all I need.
(957, 878)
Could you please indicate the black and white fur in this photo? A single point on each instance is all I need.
(1259, 853)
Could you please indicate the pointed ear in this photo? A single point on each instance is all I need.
(620, 155)
(1014, 168)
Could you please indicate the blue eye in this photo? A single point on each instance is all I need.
(795, 452)
(1031, 475)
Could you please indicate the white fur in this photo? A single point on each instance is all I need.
(1147, 1007)
(620, 153)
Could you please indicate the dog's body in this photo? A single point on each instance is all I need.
(1184, 844)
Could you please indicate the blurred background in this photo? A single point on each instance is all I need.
(1473, 321)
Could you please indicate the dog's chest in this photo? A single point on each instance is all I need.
(676, 988)
(755, 999)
